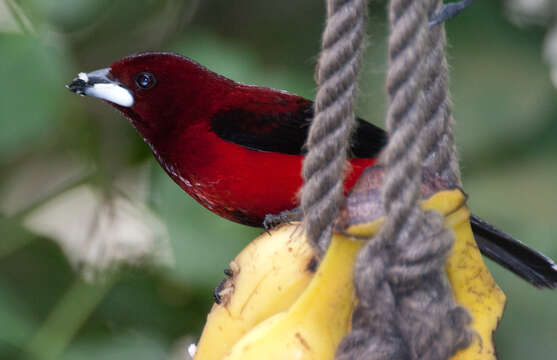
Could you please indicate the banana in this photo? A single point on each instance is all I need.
(268, 276)
(277, 309)
(314, 325)
(474, 288)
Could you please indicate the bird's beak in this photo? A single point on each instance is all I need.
(98, 84)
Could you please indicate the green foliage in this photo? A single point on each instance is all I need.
(30, 98)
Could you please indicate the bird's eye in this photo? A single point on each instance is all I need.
(145, 80)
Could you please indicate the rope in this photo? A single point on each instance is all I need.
(406, 309)
(441, 152)
(329, 136)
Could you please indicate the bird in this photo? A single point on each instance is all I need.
(238, 149)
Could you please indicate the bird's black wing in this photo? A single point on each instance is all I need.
(285, 130)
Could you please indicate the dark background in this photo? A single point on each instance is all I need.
(64, 160)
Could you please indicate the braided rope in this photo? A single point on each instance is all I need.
(441, 148)
(406, 309)
(329, 136)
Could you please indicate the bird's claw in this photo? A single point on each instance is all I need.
(449, 11)
(287, 216)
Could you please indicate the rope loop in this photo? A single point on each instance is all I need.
(406, 306)
(328, 140)
(406, 309)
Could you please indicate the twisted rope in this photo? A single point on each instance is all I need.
(406, 309)
(441, 152)
(329, 136)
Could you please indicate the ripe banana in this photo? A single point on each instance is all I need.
(474, 288)
(268, 276)
(278, 308)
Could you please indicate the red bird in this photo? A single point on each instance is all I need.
(238, 149)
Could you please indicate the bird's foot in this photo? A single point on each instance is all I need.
(286, 216)
(449, 11)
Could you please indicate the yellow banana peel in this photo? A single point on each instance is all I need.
(474, 288)
(276, 307)
(314, 325)
(268, 276)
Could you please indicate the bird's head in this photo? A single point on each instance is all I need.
(155, 91)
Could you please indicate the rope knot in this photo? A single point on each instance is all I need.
(419, 251)
(405, 303)
(406, 309)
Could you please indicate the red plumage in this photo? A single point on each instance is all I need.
(238, 149)
(240, 183)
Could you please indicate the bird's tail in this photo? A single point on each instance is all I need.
(510, 253)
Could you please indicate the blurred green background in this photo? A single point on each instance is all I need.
(80, 192)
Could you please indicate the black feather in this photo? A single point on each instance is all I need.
(510, 253)
(286, 132)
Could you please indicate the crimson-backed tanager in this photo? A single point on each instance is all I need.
(238, 149)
